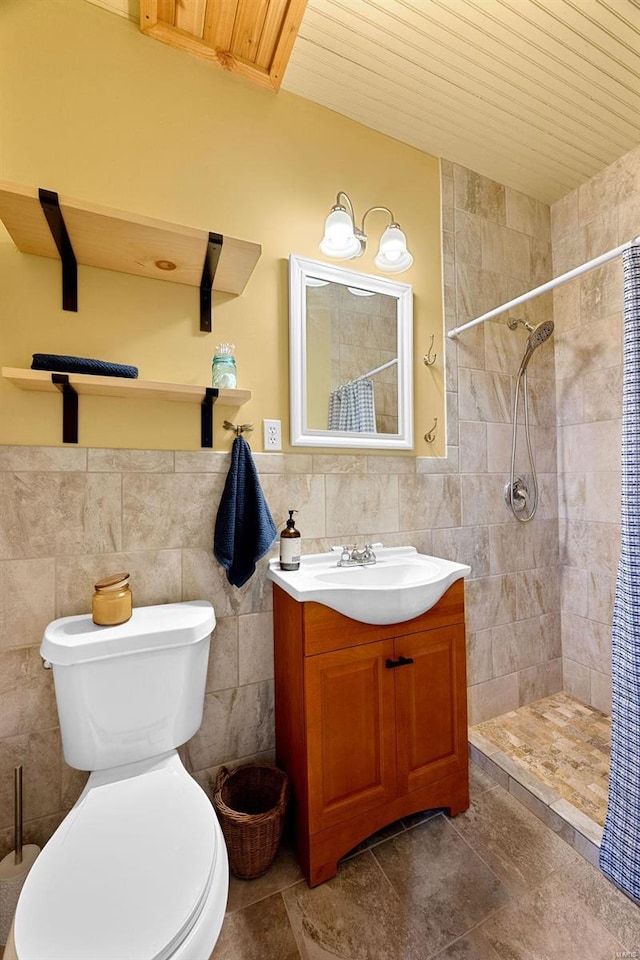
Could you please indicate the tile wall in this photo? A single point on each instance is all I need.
(600, 215)
(69, 516)
(496, 246)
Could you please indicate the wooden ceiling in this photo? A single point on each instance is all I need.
(251, 37)
(537, 94)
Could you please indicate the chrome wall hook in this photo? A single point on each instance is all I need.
(239, 429)
(431, 435)
(430, 358)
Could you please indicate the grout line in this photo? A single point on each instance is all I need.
(298, 937)
(287, 886)
(513, 898)
(509, 890)
(489, 916)
(396, 893)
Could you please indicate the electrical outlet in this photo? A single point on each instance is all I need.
(272, 434)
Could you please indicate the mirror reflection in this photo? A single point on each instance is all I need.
(350, 357)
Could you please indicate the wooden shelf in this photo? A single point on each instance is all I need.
(126, 242)
(122, 387)
(73, 384)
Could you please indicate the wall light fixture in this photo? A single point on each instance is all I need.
(343, 240)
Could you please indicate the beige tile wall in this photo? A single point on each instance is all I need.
(69, 516)
(600, 215)
(497, 245)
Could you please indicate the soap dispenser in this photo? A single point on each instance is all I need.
(290, 545)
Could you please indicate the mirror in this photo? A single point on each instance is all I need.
(350, 358)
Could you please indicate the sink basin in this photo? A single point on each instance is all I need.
(382, 574)
(401, 585)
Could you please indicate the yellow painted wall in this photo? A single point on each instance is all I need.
(93, 109)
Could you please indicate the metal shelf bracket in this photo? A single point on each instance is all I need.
(214, 249)
(69, 407)
(51, 208)
(70, 411)
(206, 416)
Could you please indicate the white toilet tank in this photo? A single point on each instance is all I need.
(129, 692)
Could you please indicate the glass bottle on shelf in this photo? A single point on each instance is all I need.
(223, 368)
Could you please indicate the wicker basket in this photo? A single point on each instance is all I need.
(251, 802)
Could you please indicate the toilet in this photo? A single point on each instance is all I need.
(138, 868)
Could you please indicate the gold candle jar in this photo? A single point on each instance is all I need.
(112, 601)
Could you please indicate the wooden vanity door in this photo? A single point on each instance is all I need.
(431, 707)
(351, 742)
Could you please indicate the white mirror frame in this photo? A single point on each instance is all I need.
(301, 435)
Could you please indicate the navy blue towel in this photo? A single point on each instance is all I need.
(99, 368)
(245, 530)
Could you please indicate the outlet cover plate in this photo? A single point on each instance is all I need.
(272, 435)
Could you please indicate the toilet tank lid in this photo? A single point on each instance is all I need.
(72, 640)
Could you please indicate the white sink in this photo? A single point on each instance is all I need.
(401, 585)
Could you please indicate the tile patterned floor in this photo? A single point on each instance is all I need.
(562, 743)
(494, 883)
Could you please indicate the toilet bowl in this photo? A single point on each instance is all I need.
(138, 868)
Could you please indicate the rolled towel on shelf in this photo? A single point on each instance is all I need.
(64, 364)
(244, 529)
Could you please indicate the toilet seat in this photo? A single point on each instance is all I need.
(127, 872)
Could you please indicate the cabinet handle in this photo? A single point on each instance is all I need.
(400, 662)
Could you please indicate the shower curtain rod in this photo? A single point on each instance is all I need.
(576, 272)
(384, 366)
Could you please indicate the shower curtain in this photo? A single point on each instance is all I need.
(351, 407)
(620, 850)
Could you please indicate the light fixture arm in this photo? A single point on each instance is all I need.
(391, 223)
(340, 206)
(359, 230)
(344, 240)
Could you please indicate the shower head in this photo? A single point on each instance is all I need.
(537, 337)
(539, 334)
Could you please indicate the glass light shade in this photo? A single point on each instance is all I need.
(393, 256)
(357, 292)
(339, 241)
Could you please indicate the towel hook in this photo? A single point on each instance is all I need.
(429, 359)
(239, 429)
(431, 435)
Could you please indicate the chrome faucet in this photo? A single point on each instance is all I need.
(358, 558)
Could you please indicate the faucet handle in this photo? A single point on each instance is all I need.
(373, 546)
(368, 552)
(345, 553)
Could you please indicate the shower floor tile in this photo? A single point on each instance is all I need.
(560, 742)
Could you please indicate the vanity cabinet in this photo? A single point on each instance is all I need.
(371, 721)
